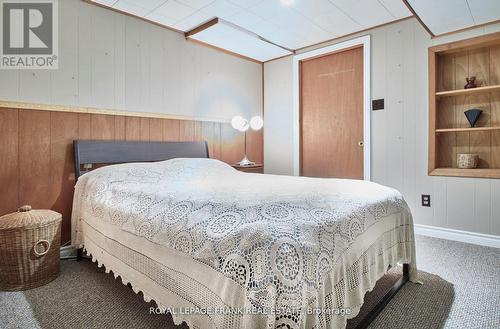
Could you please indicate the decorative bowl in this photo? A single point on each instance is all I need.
(467, 160)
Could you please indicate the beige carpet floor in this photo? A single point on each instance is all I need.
(461, 290)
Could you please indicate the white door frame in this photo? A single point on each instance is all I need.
(365, 42)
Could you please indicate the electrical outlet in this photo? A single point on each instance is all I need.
(426, 200)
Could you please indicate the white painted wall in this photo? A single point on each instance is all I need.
(109, 60)
(399, 133)
(278, 132)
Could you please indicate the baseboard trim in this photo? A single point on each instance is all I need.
(457, 235)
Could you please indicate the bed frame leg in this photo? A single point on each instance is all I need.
(365, 322)
(406, 271)
(79, 254)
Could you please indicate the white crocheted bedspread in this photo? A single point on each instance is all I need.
(298, 246)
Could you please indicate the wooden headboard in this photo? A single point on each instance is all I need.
(109, 152)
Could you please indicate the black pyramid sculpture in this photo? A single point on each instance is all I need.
(472, 115)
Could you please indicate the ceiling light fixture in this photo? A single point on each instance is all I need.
(287, 2)
(229, 36)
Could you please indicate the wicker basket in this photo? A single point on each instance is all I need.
(29, 248)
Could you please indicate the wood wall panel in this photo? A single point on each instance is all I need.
(198, 131)
(254, 139)
(102, 127)
(495, 121)
(232, 145)
(186, 130)
(83, 126)
(446, 119)
(495, 106)
(9, 170)
(34, 158)
(120, 128)
(63, 130)
(170, 130)
(217, 141)
(144, 129)
(480, 141)
(461, 104)
(156, 130)
(132, 128)
(37, 150)
(208, 133)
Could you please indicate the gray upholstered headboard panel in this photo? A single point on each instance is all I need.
(109, 152)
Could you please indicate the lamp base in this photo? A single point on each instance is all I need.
(245, 162)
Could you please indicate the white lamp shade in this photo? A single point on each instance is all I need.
(256, 122)
(239, 123)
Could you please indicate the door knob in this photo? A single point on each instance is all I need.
(361, 143)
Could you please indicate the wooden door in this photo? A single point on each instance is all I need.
(332, 115)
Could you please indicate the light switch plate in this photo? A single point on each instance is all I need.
(377, 104)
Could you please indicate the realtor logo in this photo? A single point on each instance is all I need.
(28, 34)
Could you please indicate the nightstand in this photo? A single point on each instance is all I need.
(257, 168)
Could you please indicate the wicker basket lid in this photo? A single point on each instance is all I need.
(26, 217)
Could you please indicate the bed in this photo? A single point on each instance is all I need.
(219, 248)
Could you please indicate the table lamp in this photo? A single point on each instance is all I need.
(242, 124)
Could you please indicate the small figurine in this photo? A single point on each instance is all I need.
(471, 82)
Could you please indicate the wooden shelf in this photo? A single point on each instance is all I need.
(448, 130)
(448, 66)
(470, 91)
(457, 172)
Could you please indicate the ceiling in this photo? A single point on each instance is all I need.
(451, 15)
(301, 23)
(294, 24)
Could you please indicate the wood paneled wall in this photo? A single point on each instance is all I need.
(113, 61)
(36, 151)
